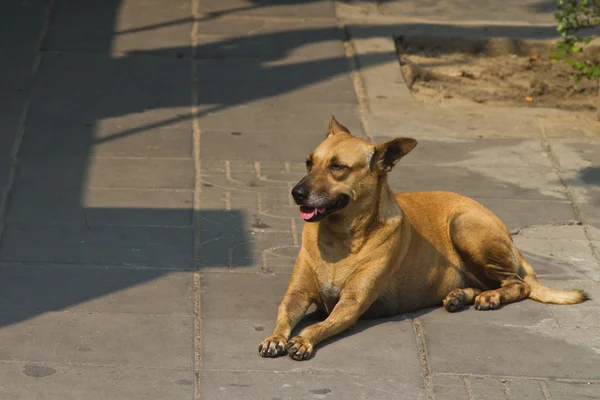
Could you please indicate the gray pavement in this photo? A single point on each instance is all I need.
(147, 149)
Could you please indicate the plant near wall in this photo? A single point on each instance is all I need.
(573, 16)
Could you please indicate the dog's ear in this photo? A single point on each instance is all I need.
(335, 127)
(388, 154)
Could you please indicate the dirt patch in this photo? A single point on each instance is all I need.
(493, 72)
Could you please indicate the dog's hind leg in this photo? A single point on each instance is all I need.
(487, 250)
(460, 298)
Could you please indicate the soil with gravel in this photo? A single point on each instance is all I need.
(447, 71)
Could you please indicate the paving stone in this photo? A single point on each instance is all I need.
(318, 41)
(139, 207)
(162, 247)
(119, 14)
(568, 230)
(255, 219)
(449, 388)
(224, 248)
(26, 18)
(523, 213)
(512, 351)
(559, 259)
(35, 381)
(100, 207)
(508, 12)
(256, 385)
(523, 313)
(234, 341)
(526, 389)
(5, 167)
(97, 338)
(502, 153)
(589, 215)
(274, 146)
(581, 169)
(492, 389)
(160, 133)
(16, 71)
(126, 26)
(109, 173)
(65, 94)
(170, 41)
(319, 8)
(267, 115)
(30, 290)
(226, 295)
(235, 81)
(567, 391)
(272, 177)
(586, 314)
(519, 184)
(10, 114)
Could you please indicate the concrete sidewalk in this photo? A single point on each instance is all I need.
(147, 150)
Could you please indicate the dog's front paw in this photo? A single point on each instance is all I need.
(299, 348)
(455, 300)
(273, 346)
(487, 301)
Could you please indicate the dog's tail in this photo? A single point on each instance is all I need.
(545, 294)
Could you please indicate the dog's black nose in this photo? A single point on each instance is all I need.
(300, 193)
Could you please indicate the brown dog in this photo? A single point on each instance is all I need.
(369, 253)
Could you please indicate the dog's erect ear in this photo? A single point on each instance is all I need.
(335, 127)
(389, 153)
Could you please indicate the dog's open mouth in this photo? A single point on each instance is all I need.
(314, 214)
(308, 213)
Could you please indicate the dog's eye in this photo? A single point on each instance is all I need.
(336, 167)
(309, 164)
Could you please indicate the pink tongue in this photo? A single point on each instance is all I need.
(307, 213)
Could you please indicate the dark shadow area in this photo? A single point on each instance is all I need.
(590, 175)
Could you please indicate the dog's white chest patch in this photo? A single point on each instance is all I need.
(329, 290)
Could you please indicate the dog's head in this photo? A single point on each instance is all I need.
(344, 170)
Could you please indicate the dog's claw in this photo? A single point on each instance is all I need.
(299, 348)
(273, 346)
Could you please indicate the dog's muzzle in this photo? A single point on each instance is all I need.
(314, 206)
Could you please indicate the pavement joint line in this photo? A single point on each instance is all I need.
(202, 17)
(51, 264)
(23, 117)
(468, 388)
(357, 81)
(308, 371)
(161, 189)
(116, 53)
(83, 312)
(90, 226)
(516, 378)
(545, 390)
(470, 23)
(423, 357)
(507, 390)
(94, 365)
(195, 100)
(140, 158)
(556, 166)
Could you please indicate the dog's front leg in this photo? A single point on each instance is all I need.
(298, 298)
(353, 302)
